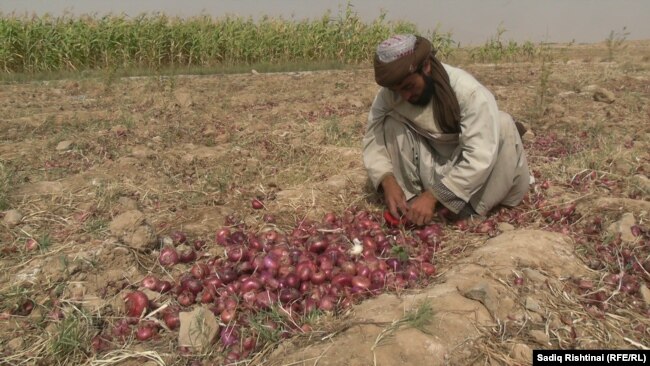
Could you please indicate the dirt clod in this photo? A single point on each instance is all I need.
(12, 218)
(199, 329)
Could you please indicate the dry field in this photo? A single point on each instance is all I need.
(97, 175)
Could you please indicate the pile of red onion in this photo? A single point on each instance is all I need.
(317, 266)
(321, 266)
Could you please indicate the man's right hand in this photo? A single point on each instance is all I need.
(394, 196)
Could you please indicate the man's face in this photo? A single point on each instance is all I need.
(416, 88)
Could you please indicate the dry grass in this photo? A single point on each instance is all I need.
(189, 151)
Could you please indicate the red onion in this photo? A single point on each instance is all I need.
(233, 288)
(292, 280)
(249, 298)
(229, 336)
(188, 255)
(238, 237)
(318, 277)
(54, 314)
(461, 225)
(31, 244)
(428, 268)
(265, 299)
(368, 254)
(318, 246)
(327, 303)
(271, 263)
(584, 284)
(362, 270)
(99, 343)
(235, 253)
(249, 343)
(145, 331)
(222, 236)
(257, 204)
(325, 263)
(200, 271)
(272, 283)
(303, 270)
(178, 237)
(206, 297)
(230, 303)
(310, 305)
(136, 303)
(369, 243)
(305, 286)
(378, 276)
(168, 257)
(348, 267)
(284, 270)
(121, 329)
(171, 319)
(198, 244)
(289, 295)
(150, 282)
(271, 236)
(568, 210)
(25, 308)
(330, 218)
(250, 284)
(412, 273)
(186, 298)
(232, 357)
(164, 286)
(361, 282)
(192, 285)
(393, 264)
(342, 280)
(255, 244)
(281, 253)
(329, 273)
(228, 315)
(228, 276)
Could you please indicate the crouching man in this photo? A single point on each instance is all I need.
(435, 137)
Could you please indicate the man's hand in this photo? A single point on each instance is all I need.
(422, 208)
(394, 196)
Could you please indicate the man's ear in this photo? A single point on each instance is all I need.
(427, 66)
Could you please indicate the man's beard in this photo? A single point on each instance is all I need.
(427, 92)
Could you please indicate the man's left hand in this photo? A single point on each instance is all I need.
(422, 208)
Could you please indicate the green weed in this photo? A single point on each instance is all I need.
(615, 42)
(71, 338)
(5, 185)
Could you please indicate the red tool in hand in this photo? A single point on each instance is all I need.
(393, 221)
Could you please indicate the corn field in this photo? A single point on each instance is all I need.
(45, 44)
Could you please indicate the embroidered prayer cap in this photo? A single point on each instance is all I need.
(399, 56)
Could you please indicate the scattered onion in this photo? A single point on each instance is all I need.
(171, 319)
(150, 282)
(229, 336)
(146, 331)
(168, 257)
(136, 304)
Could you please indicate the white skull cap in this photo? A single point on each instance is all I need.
(395, 47)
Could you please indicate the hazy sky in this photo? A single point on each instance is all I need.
(469, 21)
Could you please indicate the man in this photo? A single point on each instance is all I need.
(436, 136)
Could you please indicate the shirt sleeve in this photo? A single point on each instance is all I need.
(375, 155)
(478, 144)
(448, 198)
